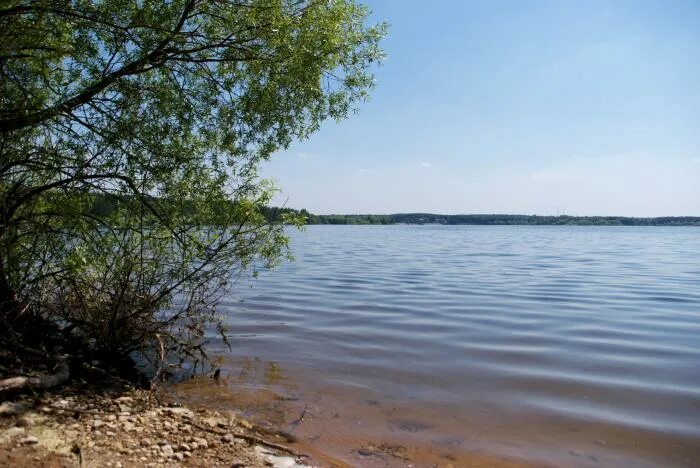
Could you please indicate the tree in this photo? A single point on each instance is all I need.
(163, 110)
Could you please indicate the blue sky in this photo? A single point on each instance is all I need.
(529, 107)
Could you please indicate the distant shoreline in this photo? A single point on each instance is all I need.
(485, 219)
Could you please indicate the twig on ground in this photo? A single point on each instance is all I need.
(251, 439)
(298, 421)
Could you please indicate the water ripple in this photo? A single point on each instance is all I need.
(590, 324)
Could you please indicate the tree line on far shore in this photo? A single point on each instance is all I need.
(274, 213)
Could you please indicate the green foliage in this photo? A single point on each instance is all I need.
(130, 135)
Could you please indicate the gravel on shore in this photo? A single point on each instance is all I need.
(131, 429)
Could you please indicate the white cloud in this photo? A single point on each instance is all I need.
(426, 164)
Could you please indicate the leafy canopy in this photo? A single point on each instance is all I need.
(167, 108)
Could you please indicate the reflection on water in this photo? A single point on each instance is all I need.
(576, 346)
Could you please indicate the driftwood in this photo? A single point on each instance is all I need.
(61, 376)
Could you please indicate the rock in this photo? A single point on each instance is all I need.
(201, 442)
(167, 450)
(228, 438)
(29, 440)
(124, 399)
(184, 447)
(24, 421)
(245, 424)
(97, 423)
(179, 456)
(163, 442)
(110, 417)
(187, 454)
(9, 408)
(182, 412)
(129, 427)
(211, 422)
(145, 442)
(14, 432)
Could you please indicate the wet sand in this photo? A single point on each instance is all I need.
(340, 435)
(353, 426)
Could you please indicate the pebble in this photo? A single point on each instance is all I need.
(201, 442)
(14, 431)
(183, 412)
(110, 417)
(24, 421)
(9, 408)
(246, 424)
(179, 456)
(29, 440)
(97, 423)
(227, 438)
(167, 450)
(184, 447)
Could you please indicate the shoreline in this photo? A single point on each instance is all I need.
(126, 427)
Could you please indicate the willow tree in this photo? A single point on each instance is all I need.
(165, 109)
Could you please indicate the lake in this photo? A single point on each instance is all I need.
(569, 346)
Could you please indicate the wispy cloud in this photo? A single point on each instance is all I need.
(426, 164)
(364, 170)
(303, 156)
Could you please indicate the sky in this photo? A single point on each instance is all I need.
(523, 107)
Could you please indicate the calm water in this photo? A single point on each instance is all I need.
(575, 346)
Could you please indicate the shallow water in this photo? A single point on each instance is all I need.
(574, 346)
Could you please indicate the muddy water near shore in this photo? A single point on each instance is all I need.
(340, 429)
(569, 346)
(354, 426)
